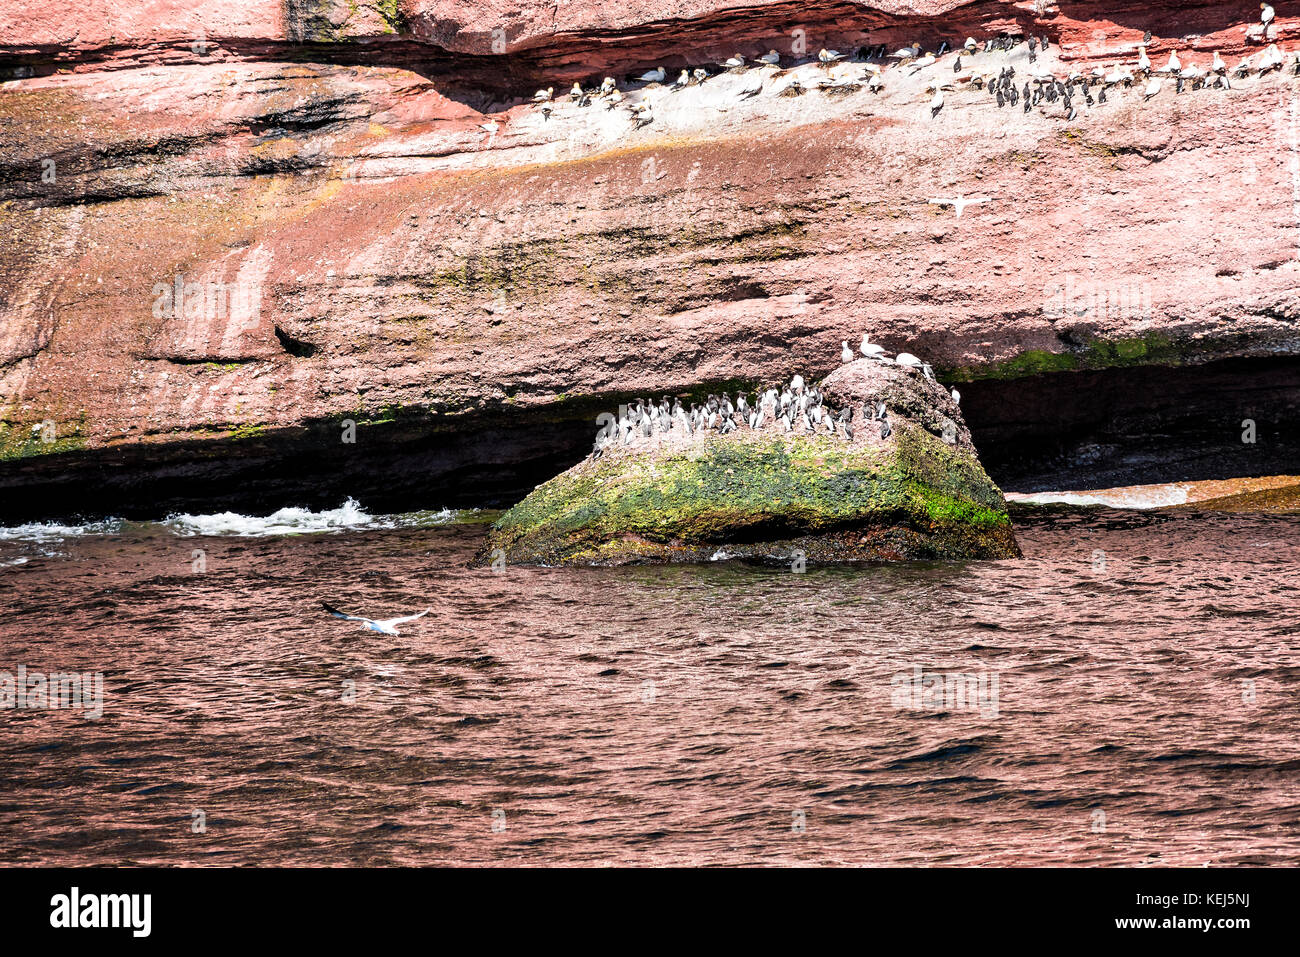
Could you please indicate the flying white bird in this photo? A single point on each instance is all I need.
(959, 203)
(388, 626)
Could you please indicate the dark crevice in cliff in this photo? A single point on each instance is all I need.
(297, 348)
(1070, 430)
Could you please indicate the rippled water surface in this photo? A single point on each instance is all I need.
(725, 714)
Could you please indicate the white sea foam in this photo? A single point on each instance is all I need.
(53, 532)
(349, 516)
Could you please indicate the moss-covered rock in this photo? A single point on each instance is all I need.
(921, 493)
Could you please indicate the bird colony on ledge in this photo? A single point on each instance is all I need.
(795, 407)
(989, 68)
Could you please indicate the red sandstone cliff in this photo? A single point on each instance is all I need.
(351, 238)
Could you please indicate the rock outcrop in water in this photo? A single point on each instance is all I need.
(915, 490)
(369, 221)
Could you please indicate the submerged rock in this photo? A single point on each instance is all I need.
(919, 493)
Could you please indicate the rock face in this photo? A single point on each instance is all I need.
(920, 492)
(367, 220)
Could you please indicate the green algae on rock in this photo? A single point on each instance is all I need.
(921, 493)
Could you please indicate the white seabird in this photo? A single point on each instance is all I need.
(956, 397)
(908, 361)
(387, 626)
(827, 57)
(735, 62)
(576, 92)
(870, 349)
(1174, 64)
(683, 79)
(846, 354)
(1144, 62)
(608, 86)
(771, 58)
(1266, 14)
(654, 76)
(1218, 66)
(936, 104)
(970, 45)
(542, 96)
(1152, 89)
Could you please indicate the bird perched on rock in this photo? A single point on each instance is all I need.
(1174, 65)
(683, 80)
(654, 76)
(1144, 62)
(908, 361)
(1152, 89)
(608, 86)
(543, 96)
(970, 46)
(870, 349)
(771, 58)
(846, 354)
(736, 62)
(699, 74)
(936, 104)
(956, 397)
(1265, 15)
(827, 57)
